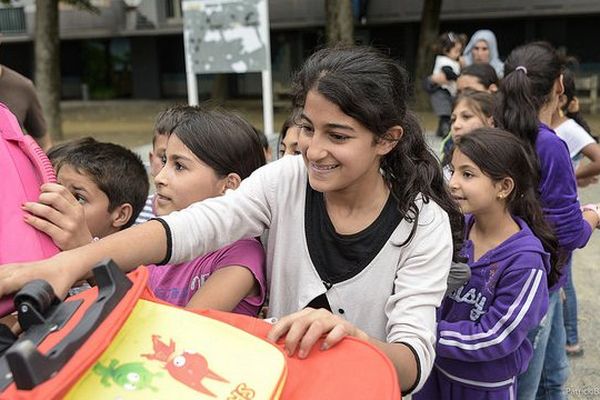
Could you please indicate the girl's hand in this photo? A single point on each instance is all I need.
(584, 182)
(439, 78)
(593, 211)
(14, 276)
(304, 328)
(59, 215)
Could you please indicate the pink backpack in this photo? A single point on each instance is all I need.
(24, 167)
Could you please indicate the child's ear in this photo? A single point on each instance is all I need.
(573, 105)
(505, 187)
(121, 215)
(390, 139)
(560, 87)
(493, 88)
(231, 181)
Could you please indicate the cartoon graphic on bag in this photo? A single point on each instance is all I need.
(187, 368)
(130, 376)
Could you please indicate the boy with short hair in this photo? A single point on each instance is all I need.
(101, 189)
(165, 122)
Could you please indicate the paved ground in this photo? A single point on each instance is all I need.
(130, 123)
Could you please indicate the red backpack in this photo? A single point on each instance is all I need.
(117, 340)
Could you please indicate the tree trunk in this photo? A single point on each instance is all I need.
(47, 64)
(339, 25)
(430, 27)
(220, 88)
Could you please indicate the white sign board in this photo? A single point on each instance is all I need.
(228, 36)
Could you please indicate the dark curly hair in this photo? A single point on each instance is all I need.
(373, 89)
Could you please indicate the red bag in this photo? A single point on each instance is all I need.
(114, 346)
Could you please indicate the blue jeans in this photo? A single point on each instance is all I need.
(549, 368)
(570, 311)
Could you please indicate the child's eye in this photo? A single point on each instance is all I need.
(306, 129)
(80, 199)
(338, 138)
(179, 167)
(163, 159)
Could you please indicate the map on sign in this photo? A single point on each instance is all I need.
(226, 35)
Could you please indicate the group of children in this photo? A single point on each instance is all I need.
(538, 93)
(455, 67)
(361, 230)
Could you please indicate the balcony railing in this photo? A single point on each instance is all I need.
(12, 20)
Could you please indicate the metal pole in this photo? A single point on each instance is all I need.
(192, 83)
(267, 82)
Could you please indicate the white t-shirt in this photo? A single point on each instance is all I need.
(576, 139)
(445, 61)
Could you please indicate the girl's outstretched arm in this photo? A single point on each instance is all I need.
(591, 169)
(225, 289)
(138, 245)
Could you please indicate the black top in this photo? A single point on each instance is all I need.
(339, 257)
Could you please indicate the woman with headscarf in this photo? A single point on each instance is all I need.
(483, 48)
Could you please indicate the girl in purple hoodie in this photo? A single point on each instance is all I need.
(482, 327)
(529, 94)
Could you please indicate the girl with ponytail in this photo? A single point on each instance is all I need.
(513, 254)
(529, 94)
(362, 230)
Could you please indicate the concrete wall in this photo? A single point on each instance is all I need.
(298, 14)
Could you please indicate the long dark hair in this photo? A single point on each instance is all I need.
(499, 155)
(484, 72)
(481, 104)
(290, 121)
(223, 140)
(570, 92)
(373, 89)
(529, 75)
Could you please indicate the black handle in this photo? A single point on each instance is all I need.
(30, 367)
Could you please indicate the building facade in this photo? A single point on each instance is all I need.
(137, 51)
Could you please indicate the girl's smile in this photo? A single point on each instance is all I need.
(339, 152)
(323, 168)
